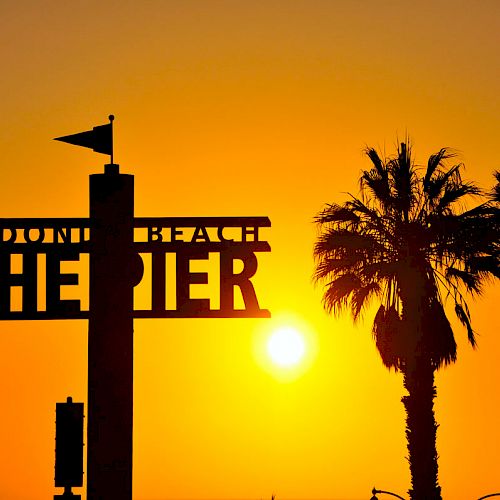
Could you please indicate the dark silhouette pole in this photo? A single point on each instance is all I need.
(490, 495)
(110, 341)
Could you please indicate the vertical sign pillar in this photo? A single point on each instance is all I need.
(110, 341)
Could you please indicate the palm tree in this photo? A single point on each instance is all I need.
(408, 242)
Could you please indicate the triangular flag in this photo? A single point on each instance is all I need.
(100, 139)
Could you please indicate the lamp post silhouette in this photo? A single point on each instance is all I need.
(375, 491)
(489, 496)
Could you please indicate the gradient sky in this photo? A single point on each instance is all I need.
(233, 108)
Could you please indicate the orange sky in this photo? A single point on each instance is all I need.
(233, 108)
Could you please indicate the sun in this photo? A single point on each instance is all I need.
(286, 346)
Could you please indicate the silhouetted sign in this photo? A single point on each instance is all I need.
(123, 252)
(33, 252)
(69, 444)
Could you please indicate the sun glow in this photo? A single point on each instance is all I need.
(286, 346)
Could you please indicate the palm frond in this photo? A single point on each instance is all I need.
(372, 219)
(435, 161)
(336, 213)
(441, 179)
(386, 333)
(496, 188)
(337, 265)
(464, 318)
(361, 296)
(471, 280)
(402, 173)
(335, 298)
(488, 264)
(341, 241)
(377, 179)
(379, 270)
(454, 192)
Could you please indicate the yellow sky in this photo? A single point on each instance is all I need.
(233, 108)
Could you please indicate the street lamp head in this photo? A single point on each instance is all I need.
(375, 491)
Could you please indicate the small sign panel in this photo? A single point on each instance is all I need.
(69, 444)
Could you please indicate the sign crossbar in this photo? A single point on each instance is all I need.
(189, 238)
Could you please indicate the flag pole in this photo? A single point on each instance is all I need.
(111, 119)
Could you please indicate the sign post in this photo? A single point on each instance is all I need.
(111, 336)
(109, 236)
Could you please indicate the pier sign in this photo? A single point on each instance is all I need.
(34, 257)
(43, 245)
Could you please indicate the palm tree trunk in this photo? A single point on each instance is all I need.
(421, 430)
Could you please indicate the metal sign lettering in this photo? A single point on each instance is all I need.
(189, 238)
